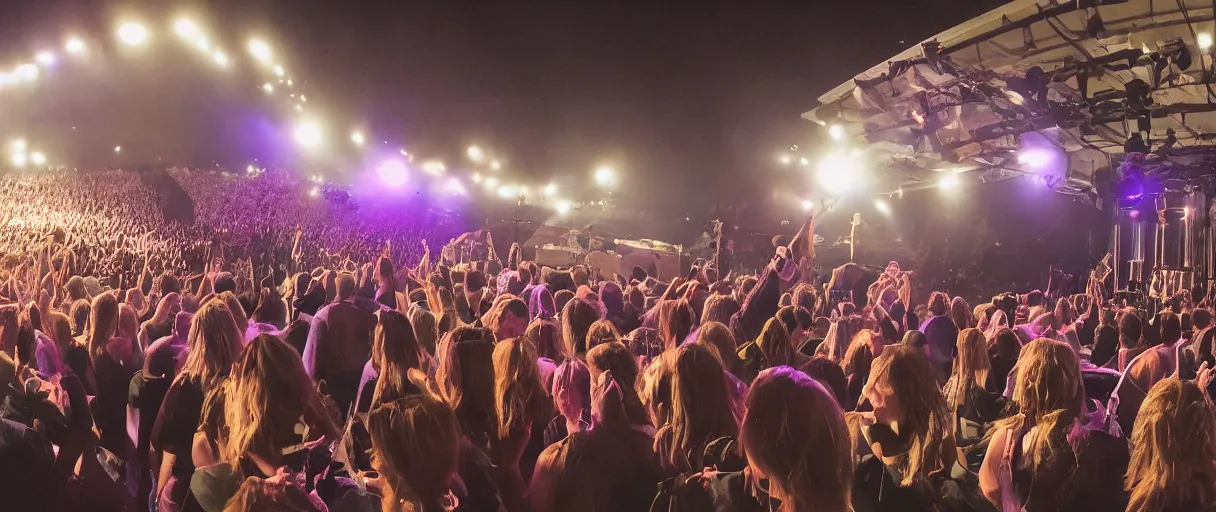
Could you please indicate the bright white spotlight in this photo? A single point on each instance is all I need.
(303, 99)
(19, 159)
(268, 87)
(1204, 41)
(506, 191)
(221, 59)
(476, 177)
(496, 165)
(38, 159)
(250, 169)
(785, 159)
(550, 189)
(308, 134)
(133, 34)
(314, 192)
(289, 83)
(118, 149)
(278, 71)
(605, 176)
(838, 173)
(74, 46)
(26, 72)
(45, 57)
(18, 145)
(882, 207)
(357, 138)
(836, 132)
(186, 28)
(433, 167)
(454, 186)
(475, 153)
(563, 206)
(524, 190)
(807, 205)
(299, 108)
(393, 173)
(804, 162)
(1035, 157)
(948, 180)
(260, 50)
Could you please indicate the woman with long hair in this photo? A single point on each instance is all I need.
(703, 412)
(395, 351)
(404, 433)
(717, 336)
(905, 443)
(426, 331)
(966, 396)
(794, 436)
(1173, 450)
(577, 317)
(465, 378)
(676, 322)
(214, 344)
(524, 410)
(271, 409)
(386, 283)
(602, 331)
(771, 349)
(857, 363)
(161, 323)
(1044, 457)
(611, 466)
(960, 312)
(1004, 350)
(545, 336)
(113, 365)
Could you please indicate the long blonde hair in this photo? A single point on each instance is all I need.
(415, 447)
(214, 344)
(971, 366)
(268, 393)
(774, 344)
(394, 352)
(907, 372)
(519, 396)
(103, 322)
(795, 434)
(1173, 450)
(465, 379)
(701, 408)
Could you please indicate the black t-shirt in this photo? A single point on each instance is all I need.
(177, 421)
(27, 479)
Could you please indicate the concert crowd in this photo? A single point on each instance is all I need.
(287, 354)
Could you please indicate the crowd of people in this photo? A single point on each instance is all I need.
(383, 380)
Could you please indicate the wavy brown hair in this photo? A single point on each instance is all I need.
(103, 322)
(214, 345)
(904, 371)
(415, 447)
(602, 331)
(519, 397)
(971, 366)
(675, 322)
(465, 379)
(1173, 450)
(395, 351)
(701, 409)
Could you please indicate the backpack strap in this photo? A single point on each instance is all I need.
(1009, 497)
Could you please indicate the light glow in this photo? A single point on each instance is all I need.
(1035, 157)
(314, 192)
(496, 165)
(550, 189)
(563, 206)
(308, 134)
(74, 46)
(433, 167)
(260, 50)
(268, 87)
(838, 173)
(26, 72)
(476, 177)
(454, 186)
(118, 149)
(18, 159)
(186, 28)
(278, 71)
(475, 153)
(949, 180)
(807, 205)
(357, 138)
(45, 57)
(1204, 41)
(393, 173)
(133, 34)
(220, 59)
(882, 207)
(836, 132)
(605, 176)
(18, 145)
(785, 159)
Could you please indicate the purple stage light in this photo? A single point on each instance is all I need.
(454, 186)
(1035, 157)
(393, 173)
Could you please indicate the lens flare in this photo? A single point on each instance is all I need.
(74, 46)
(133, 34)
(358, 139)
(221, 59)
(260, 50)
(308, 134)
(475, 153)
(46, 58)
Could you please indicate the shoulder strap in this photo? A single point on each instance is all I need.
(1009, 497)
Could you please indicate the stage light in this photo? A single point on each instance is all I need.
(562, 206)
(18, 159)
(308, 134)
(26, 72)
(838, 173)
(405, 153)
(785, 159)
(524, 191)
(133, 34)
(268, 87)
(314, 192)
(1035, 157)
(260, 50)
(18, 145)
(221, 59)
(433, 167)
(289, 83)
(475, 153)
(605, 176)
(948, 180)
(303, 99)
(250, 169)
(836, 132)
(278, 70)
(882, 207)
(118, 149)
(476, 177)
(807, 205)
(298, 108)
(491, 183)
(74, 46)
(186, 28)
(358, 138)
(1204, 41)
(496, 165)
(550, 189)
(45, 57)
(506, 191)
(456, 187)
(393, 173)
(804, 162)
(202, 43)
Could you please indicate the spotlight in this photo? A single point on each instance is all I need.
(785, 159)
(836, 132)
(392, 173)
(1204, 41)
(562, 206)
(186, 28)
(804, 162)
(550, 189)
(605, 176)
(268, 87)
(506, 191)
(837, 173)
(308, 134)
(314, 192)
(298, 108)
(475, 153)
(250, 169)
(491, 183)
(948, 180)
(303, 99)
(260, 50)
(74, 46)
(433, 167)
(278, 71)
(18, 159)
(807, 205)
(1035, 157)
(496, 165)
(882, 207)
(456, 187)
(133, 34)
(220, 58)
(18, 145)
(118, 149)
(46, 58)
(357, 138)
(476, 177)
(26, 72)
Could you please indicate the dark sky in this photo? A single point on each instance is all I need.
(693, 100)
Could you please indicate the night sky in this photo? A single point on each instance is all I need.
(692, 101)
